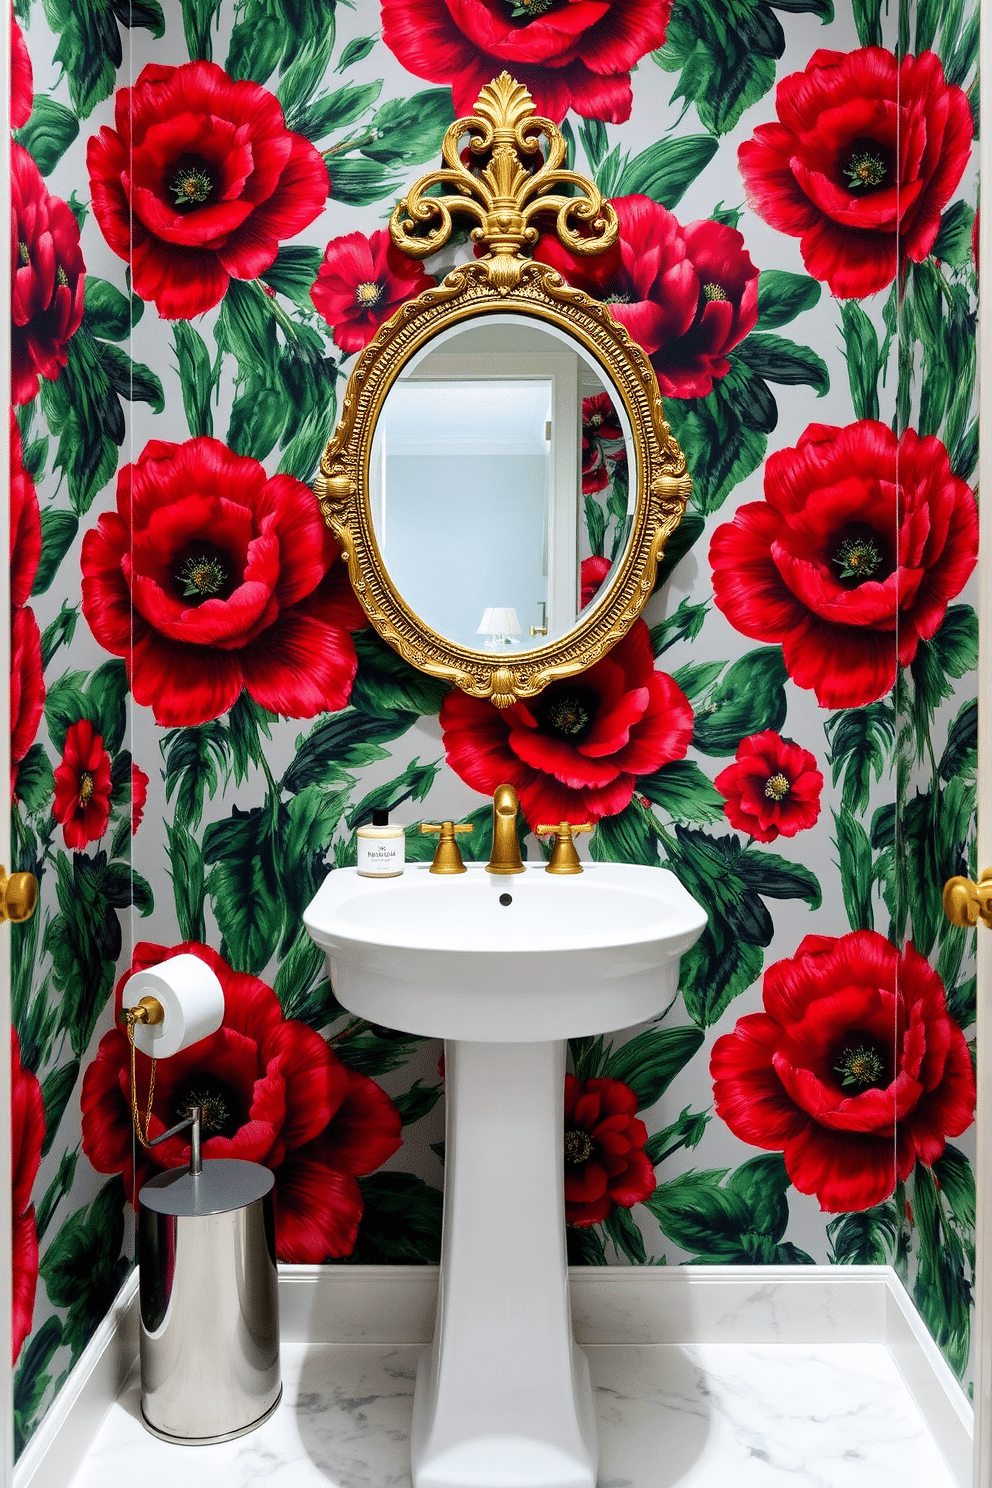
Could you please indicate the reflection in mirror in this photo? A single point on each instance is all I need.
(498, 484)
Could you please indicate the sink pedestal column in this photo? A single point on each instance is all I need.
(503, 1398)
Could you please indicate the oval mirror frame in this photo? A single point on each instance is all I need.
(513, 183)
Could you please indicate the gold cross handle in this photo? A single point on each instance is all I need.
(447, 858)
(18, 896)
(564, 858)
(965, 903)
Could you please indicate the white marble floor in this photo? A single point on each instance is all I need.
(755, 1416)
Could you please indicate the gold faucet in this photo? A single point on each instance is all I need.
(564, 858)
(505, 856)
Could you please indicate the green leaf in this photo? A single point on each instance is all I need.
(409, 131)
(868, 20)
(83, 1267)
(131, 380)
(356, 51)
(762, 1183)
(247, 723)
(56, 1191)
(859, 739)
(401, 1221)
(107, 692)
(35, 783)
(319, 117)
(684, 625)
(32, 1379)
(245, 886)
(726, 56)
(953, 245)
(649, 1062)
(89, 49)
(697, 676)
(417, 1102)
(779, 360)
(953, 1173)
(196, 378)
(66, 704)
(292, 273)
(56, 1089)
(595, 141)
(782, 296)
(700, 1216)
(414, 784)
(865, 359)
(301, 983)
(360, 183)
(683, 791)
(856, 870)
(60, 632)
(723, 436)
(687, 1131)
(945, 1272)
(584, 1246)
(623, 1231)
(246, 327)
(727, 958)
(385, 684)
(348, 738)
(200, 19)
(750, 698)
(84, 413)
(107, 313)
(867, 1238)
(666, 169)
(688, 532)
(372, 1050)
(193, 757)
(952, 653)
(188, 881)
(960, 756)
(258, 416)
(58, 531)
(776, 878)
(48, 133)
(628, 837)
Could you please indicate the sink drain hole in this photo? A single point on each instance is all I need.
(506, 899)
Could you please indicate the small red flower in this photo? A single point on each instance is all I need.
(139, 795)
(47, 279)
(687, 295)
(82, 786)
(866, 154)
(855, 1070)
(273, 1092)
(602, 442)
(772, 788)
(847, 564)
(578, 55)
(27, 687)
(361, 281)
(21, 78)
(605, 1162)
(574, 752)
(25, 523)
(27, 1110)
(212, 577)
(199, 182)
(593, 572)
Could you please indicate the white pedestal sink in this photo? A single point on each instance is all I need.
(504, 969)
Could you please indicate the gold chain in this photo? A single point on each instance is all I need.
(132, 1018)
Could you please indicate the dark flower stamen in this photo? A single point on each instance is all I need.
(191, 188)
(857, 558)
(24, 253)
(368, 295)
(214, 1112)
(568, 715)
(201, 577)
(85, 787)
(61, 277)
(865, 169)
(713, 292)
(617, 299)
(527, 10)
(578, 1148)
(861, 1067)
(777, 787)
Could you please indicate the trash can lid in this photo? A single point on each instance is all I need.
(226, 1183)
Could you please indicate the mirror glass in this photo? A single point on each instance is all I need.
(499, 484)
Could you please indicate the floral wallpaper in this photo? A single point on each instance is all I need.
(201, 719)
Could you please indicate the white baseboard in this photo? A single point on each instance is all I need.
(648, 1304)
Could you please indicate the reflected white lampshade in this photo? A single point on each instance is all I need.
(499, 626)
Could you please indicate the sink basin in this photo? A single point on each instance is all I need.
(504, 969)
(526, 957)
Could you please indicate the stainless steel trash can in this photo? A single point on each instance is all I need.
(208, 1301)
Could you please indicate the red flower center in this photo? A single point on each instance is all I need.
(578, 1148)
(569, 713)
(222, 1110)
(24, 254)
(204, 575)
(368, 295)
(191, 186)
(85, 787)
(862, 1066)
(868, 167)
(528, 10)
(777, 787)
(713, 292)
(858, 556)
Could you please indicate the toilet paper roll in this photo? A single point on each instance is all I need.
(193, 1000)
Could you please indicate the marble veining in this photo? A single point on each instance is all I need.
(756, 1415)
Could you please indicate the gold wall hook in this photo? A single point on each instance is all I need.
(564, 858)
(965, 902)
(18, 896)
(447, 858)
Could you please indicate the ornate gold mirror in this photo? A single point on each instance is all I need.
(455, 480)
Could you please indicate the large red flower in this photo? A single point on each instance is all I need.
(82, 786)
(27, 687)
(569, 53)
(854, 1070)
(25, 522)
(273, 1092)
(47, 278)
(772, 788)
(21, 78)
(687, 295)
(211, 577)
(865, 156)
(199, 183)
(27, 1110)
(361, 281)
(575, 751)
(847, 569)
(605, 1161)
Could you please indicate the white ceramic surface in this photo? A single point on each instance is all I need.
(444, 957)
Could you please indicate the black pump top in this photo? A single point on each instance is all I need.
(380, 818)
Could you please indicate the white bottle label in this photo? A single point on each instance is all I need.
(381, 857)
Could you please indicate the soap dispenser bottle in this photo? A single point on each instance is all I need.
(381, 848)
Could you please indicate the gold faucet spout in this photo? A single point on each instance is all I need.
(505, 856)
